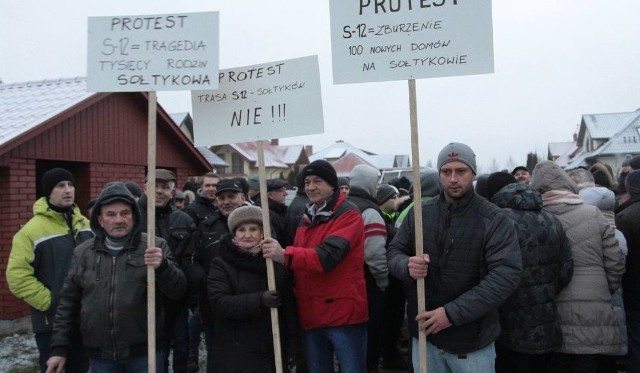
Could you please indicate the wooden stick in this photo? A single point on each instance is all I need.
(151, 232)
(417, 213)
(271, 278)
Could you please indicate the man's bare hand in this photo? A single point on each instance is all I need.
(432, 322)
(419, 266)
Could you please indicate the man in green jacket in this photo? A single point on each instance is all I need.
(40, 257)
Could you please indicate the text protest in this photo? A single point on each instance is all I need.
(153, 53)
(378, 40)
(262, 102)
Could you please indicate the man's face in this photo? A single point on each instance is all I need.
(116, 219)
(317, 189)
(179, 203)
(278, 195)
(522, 176)
(456, 178)
(345, 189)
(229, 201)
(391, 205)
(164, 192)
(63, 194)
(209, 186)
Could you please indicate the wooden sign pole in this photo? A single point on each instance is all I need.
(151, 231)
(417, 212)
(271, 278)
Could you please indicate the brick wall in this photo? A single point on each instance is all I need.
(19, 182)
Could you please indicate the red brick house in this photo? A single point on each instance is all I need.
(99, 137)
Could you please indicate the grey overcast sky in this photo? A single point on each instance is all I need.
(554, 61)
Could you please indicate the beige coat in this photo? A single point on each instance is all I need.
(587, 317)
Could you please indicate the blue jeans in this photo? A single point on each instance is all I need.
(632, 361)
(349, 343)
(440, 361)
(138, 364)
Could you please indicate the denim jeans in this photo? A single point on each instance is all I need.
(349, 343)
(632, 361)
(440, 361)
(138, 364)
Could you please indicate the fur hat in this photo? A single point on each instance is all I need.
(632, 183)
(244, 215)
(456, 151)
(52, 177)
(497, 181)
(385, 193)
(323, 170)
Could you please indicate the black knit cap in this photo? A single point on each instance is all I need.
(632, 183)
(635, 162)
(497, 181)
(323, 170)
(52, 177)
(385, 193)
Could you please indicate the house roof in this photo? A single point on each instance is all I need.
(275, 156)
(603, 126)
(626, 140)
(345, 164)
(557, 149)
(341, 149)
(211, 157)
(23, 106)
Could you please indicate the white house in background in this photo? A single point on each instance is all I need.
(607, 138)
(340, 149)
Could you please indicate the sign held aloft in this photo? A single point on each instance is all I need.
(166, 52)
(260, 102)
(380, 40)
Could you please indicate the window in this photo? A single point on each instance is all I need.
(237, 165)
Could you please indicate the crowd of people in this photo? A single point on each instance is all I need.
(525, 271)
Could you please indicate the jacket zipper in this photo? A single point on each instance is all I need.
(111, 296)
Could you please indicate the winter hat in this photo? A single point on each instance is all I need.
(364, 177)
(635, 162)
(254, 182)
(179, 196)
(114, 191)
(244, 215)
(343, 181)
(497, 181)
(518, 169)
(244, 185)
(228, 185)
(456, 151)
(481, 185)
(323, 170)
(429, 183)
(385, 193)
(52, 177)
(134, 188)
(632, 183)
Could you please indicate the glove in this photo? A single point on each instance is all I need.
(270, 299)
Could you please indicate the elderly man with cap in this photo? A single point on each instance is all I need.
(522, 175)
(105, 291)
(628, 222)
(327, 260)
(276, 195)
(40, 257)
(229, 196)
(176, 227)
(471, 264)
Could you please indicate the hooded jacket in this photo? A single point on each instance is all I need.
(40, 258)
(588, 321)
(529, 318)
(429, 187)
(107, 293)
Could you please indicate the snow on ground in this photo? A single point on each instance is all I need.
(18, 354)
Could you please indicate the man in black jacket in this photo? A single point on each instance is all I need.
(105, 291)
(471, 263)
(176, 227)
(205, 202)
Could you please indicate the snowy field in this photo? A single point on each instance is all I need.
(18, 354)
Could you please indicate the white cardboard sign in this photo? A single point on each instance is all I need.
(380, 40)
(260, 102)
(166, 52)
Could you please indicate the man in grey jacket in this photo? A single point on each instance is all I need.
(472, 263)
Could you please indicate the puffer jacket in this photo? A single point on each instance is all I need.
(475, 266)
(529, 318)
(108, 294)
(588, 321)
(40, 258)
(200, 209)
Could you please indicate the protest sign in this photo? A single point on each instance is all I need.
(153, 52)
(260, 102)
(380, 40)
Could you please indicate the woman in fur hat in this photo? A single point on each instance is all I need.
(238, 293)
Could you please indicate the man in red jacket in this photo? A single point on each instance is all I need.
(327, 259)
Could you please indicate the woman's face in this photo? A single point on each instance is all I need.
(248, 235)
